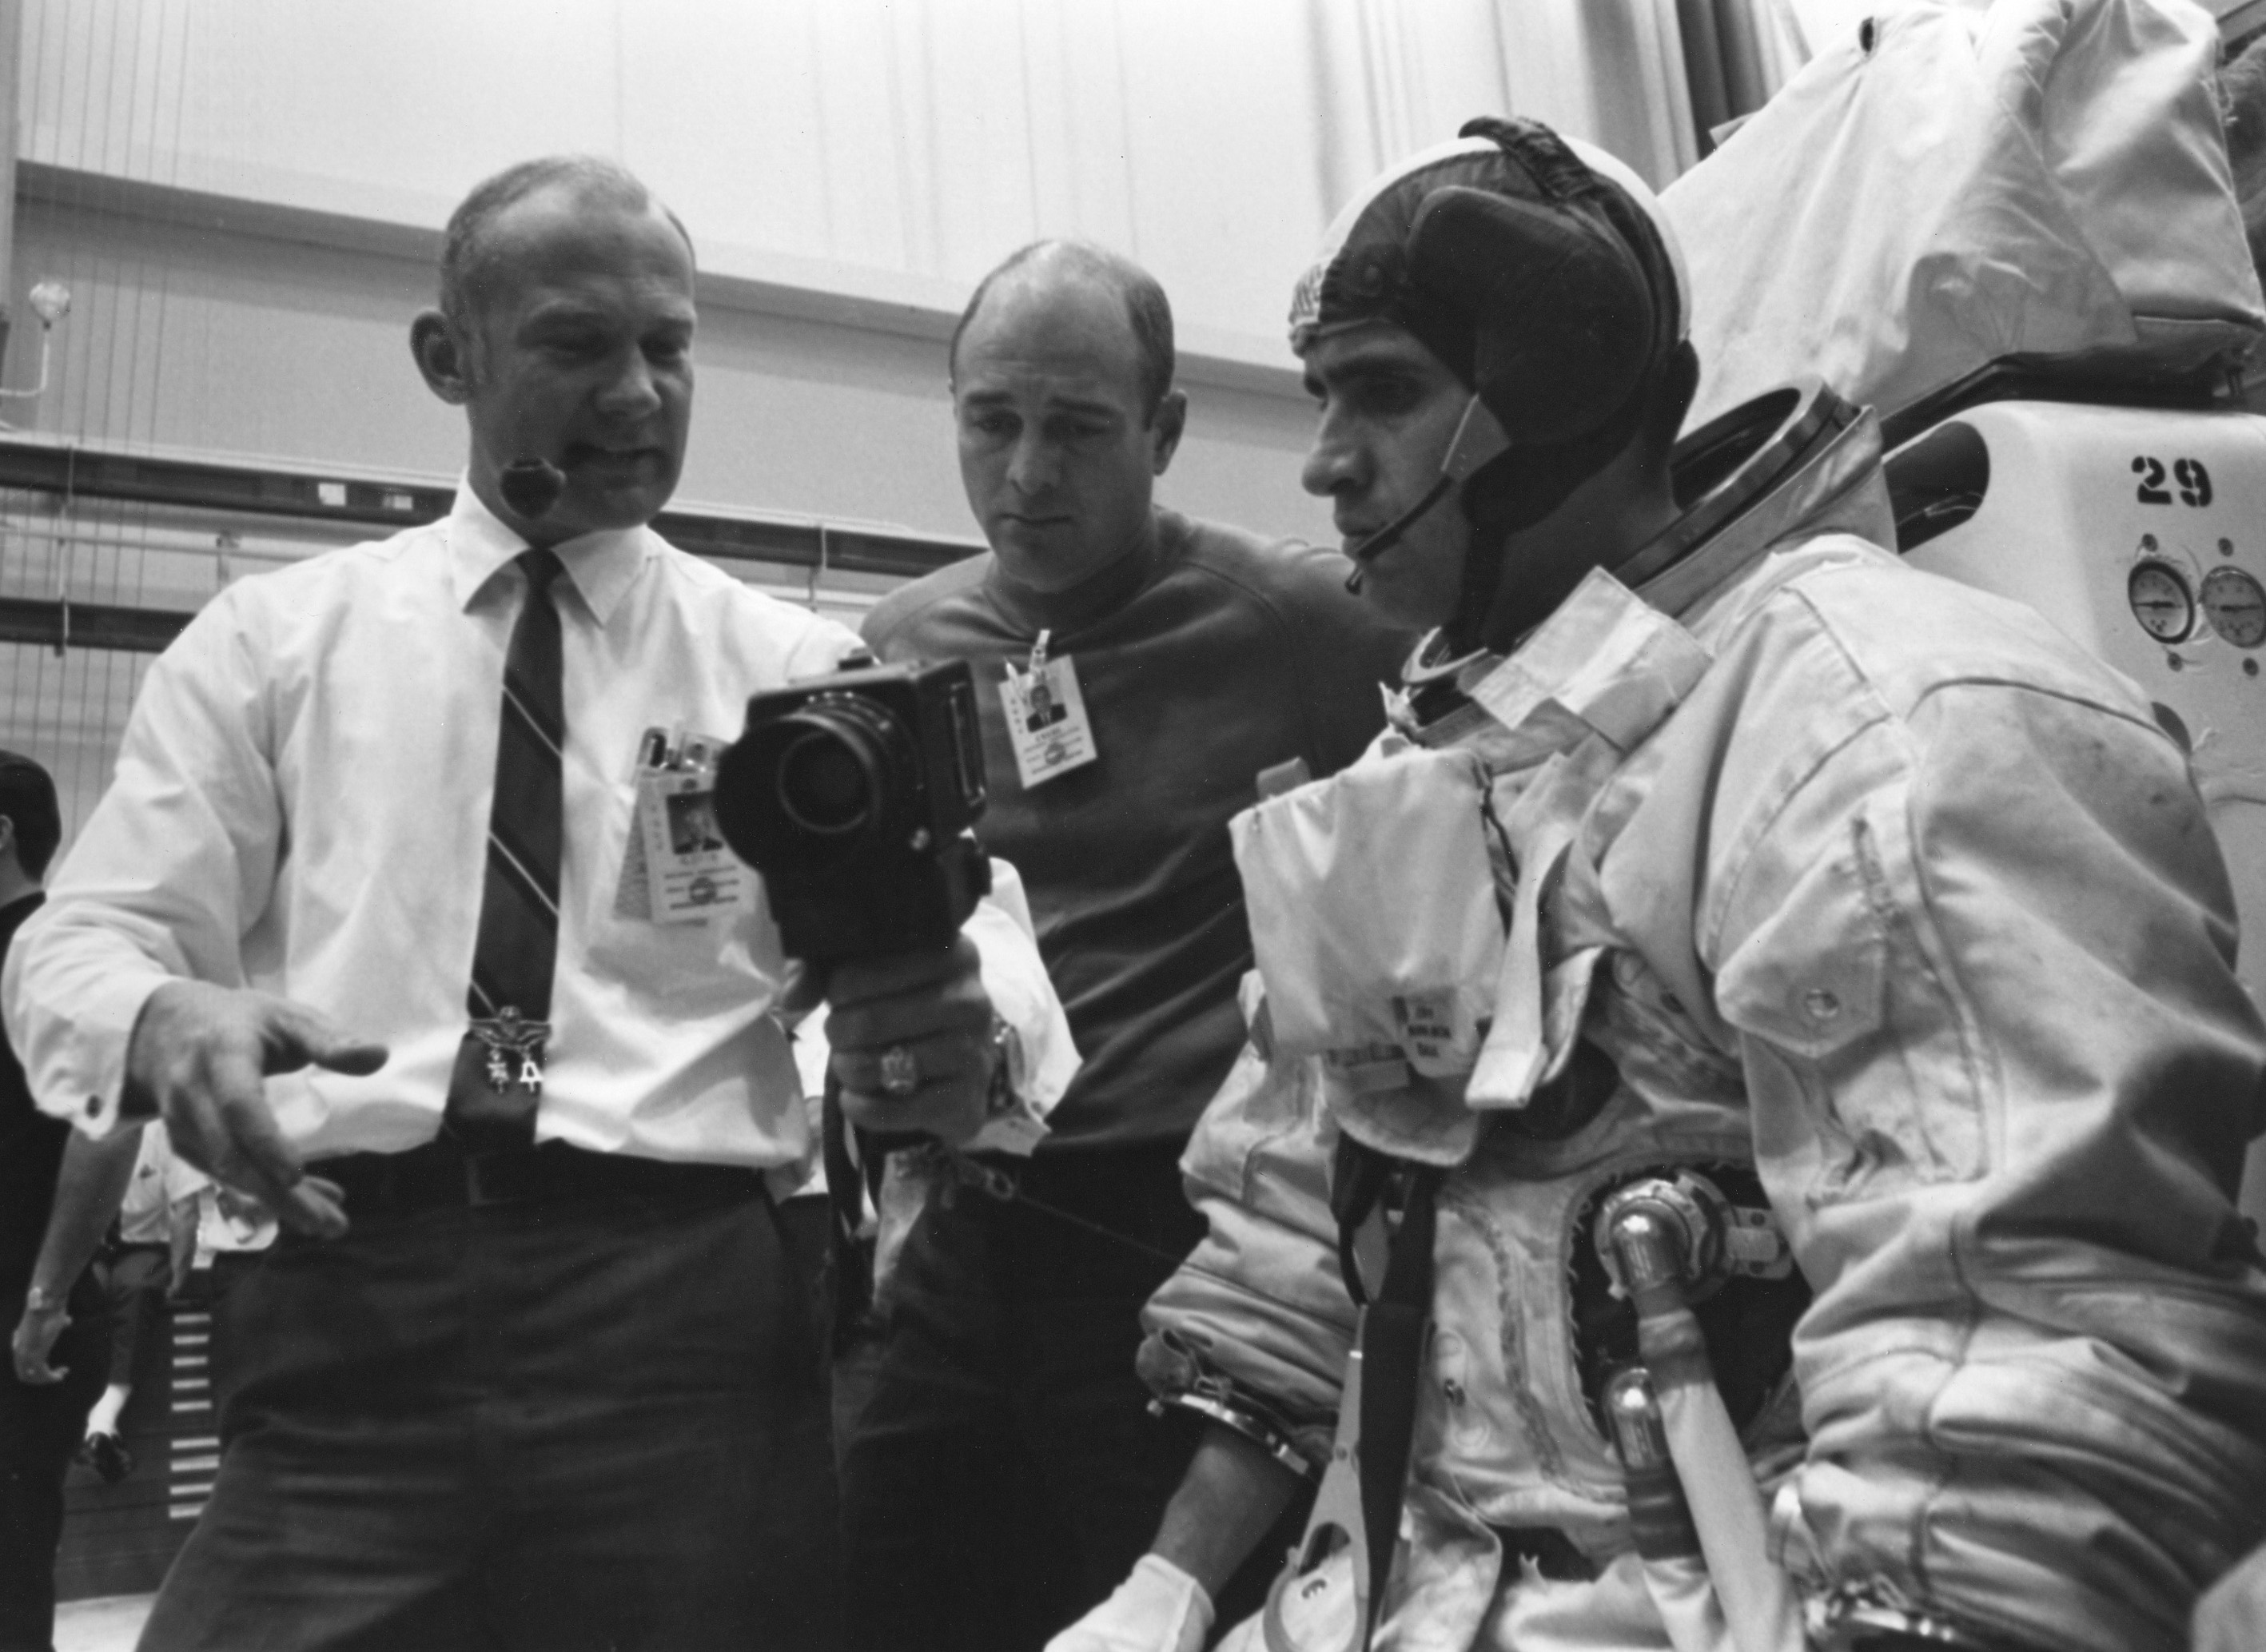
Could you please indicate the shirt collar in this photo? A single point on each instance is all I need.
(601, 566)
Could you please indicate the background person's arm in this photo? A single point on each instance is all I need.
(89, 1189)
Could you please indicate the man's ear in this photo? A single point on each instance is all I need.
(1171, 419)
(441, 357)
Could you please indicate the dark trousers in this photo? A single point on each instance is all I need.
(134, 1279)
(40, 1426)
(1000, 1470)
(585, 1423)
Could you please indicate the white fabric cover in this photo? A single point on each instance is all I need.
(1373, 915)
(2034, 177)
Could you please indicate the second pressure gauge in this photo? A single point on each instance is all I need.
(2235, 605)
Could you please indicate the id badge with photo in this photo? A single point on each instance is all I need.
(1046, 717)
(676, 868)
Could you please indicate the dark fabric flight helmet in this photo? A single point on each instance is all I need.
(1542, 273)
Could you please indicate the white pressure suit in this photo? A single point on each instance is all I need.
(1876, 892)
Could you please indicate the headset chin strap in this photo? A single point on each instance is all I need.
(1479, 440)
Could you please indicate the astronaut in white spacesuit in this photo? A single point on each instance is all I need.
(1712, 849)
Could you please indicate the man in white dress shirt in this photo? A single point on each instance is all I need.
(530, 1368)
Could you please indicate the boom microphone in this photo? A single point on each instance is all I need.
(1384, 538)
(1479, 440)
(532, 486)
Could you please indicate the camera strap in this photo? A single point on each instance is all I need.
(849, 1184)
(855, 1162)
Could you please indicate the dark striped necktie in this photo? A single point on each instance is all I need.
(497, 1080)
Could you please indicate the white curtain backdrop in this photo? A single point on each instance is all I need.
(1612, 74)
(857, 141)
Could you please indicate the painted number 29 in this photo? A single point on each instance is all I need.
(2194, 481)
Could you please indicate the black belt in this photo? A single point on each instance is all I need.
(440, 1175)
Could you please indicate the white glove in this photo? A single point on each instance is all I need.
(1158, 1608)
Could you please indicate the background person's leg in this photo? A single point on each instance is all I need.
(134, 1281)
(40, 1426)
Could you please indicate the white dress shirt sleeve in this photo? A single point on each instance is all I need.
(175, 862)
(1016, 978)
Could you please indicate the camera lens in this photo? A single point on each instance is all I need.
(823, 785)
(815, 787)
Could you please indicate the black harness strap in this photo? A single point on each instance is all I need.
(1392, 1335)
(1358, 1176)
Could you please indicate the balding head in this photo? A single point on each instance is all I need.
(1061, 388)
(469, 247)
(566, 336)
(1045, 265)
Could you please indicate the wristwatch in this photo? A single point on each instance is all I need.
(40, 1299)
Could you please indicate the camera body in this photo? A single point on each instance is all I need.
(852, 794)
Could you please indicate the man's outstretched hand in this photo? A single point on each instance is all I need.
(196, 1060)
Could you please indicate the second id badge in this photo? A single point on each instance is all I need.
(1046, 717)
(676, 859)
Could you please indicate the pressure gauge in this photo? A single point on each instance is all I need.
(2235, 605)
(2161, 602)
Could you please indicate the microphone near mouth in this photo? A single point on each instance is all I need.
(1376, 545)
(532, 486)
(1479, 439)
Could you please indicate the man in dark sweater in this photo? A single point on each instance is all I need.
(40, 1424)
(1137, 670)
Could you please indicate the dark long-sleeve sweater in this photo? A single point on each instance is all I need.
(1202, 661)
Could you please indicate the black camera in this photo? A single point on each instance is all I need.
(852, 794)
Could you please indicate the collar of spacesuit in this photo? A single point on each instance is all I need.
(1612, 657)
(1798, 460)
(1604, 662)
